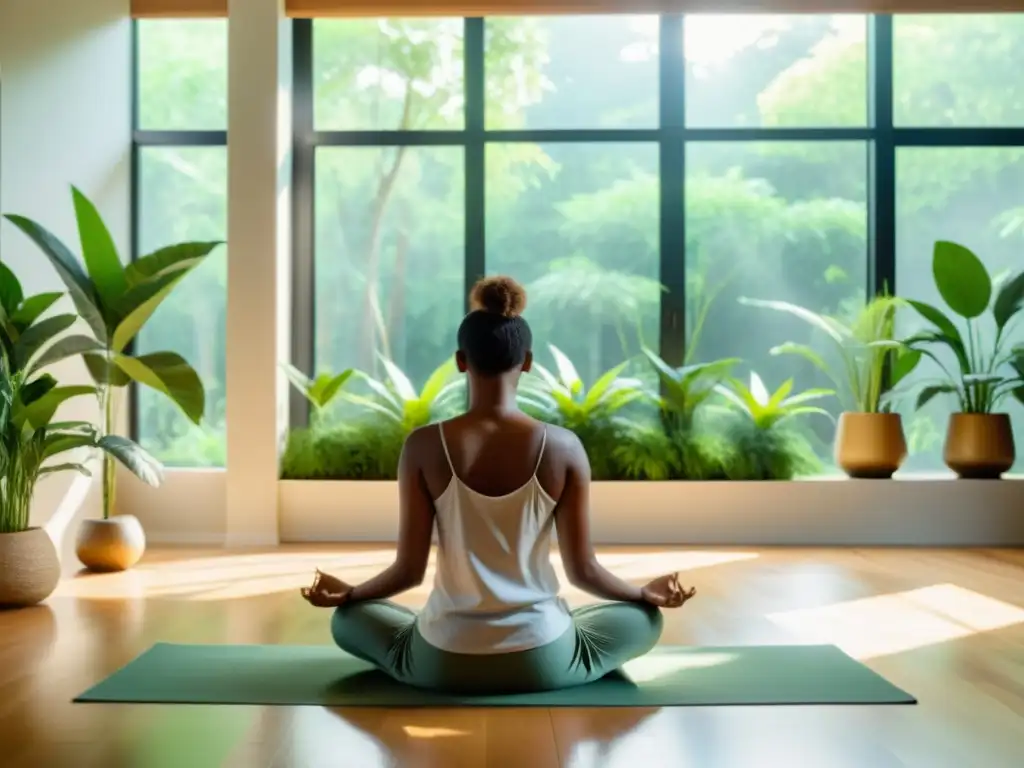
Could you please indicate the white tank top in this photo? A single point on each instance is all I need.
(495, 590)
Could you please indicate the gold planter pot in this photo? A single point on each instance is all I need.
(870, 445)
(979, 446)
(115, 544)
(29, 568)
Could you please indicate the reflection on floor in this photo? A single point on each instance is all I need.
(946, 626)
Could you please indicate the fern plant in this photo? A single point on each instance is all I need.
(320, 391)
(397, 400)
(765, 443)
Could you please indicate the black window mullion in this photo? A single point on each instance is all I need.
(672, 171)
(303, 189)
(475, 264)
(881, 159)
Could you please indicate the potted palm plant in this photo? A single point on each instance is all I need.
(869, 438)
(32, 444)
(116, 301)
(981, 370)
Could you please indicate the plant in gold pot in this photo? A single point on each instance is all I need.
(869, 438)
(978, 365)
(116, 301)
(32, 444)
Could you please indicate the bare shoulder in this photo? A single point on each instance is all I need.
(422, 442)
(564, 444)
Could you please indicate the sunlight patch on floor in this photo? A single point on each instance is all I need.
(652, 666)
(904, 621)
(419, 732)
(233, 577)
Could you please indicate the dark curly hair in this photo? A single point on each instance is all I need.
(494, 337)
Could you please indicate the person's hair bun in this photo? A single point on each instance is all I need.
(498, 295)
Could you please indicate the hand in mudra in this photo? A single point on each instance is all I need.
(665, 592)
(327, 591)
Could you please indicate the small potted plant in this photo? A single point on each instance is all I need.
(116, 301)
(869, 442)
(981, 370)
(32, 444)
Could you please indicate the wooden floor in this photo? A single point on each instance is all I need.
(946, 626)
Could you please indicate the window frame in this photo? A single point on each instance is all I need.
(881, 136)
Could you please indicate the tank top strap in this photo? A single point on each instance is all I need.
(540, 456)
(444, 445)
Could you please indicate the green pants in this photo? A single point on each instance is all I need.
(601, 639)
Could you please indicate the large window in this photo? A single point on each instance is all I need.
(180, 171)
(641, 175)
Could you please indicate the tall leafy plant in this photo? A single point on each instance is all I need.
(863, 349)
(320, 391)
(32, 445)
(682, 391)
(116, 301)
(985, 372)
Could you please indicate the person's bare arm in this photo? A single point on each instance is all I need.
(572, 518)
(416, 523)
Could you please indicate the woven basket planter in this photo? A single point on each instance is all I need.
(29, 568)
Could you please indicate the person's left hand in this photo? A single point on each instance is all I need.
(327, 591)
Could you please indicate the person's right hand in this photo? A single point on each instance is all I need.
(665, 592)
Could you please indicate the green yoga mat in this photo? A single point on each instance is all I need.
(324, 676)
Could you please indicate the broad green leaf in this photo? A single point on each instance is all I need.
(80, 468)
(298, 379)
(169, 373)
(664, 370)
(35, 389)
(34, 306)
(381, 390)
(805, 410)
(834, 329)
(951, 335)
(929, 392)
(780, 394)
(403, 387)
(334, 386)
(182, 257)
(713, 371)
(134, 457)
(36, 336)
(758, 390)
(807, 396)
(69, 346)
(82, 292)
(104, 372)
(138, 305)
(566, 370)
(1018, 392)
(603, 385)
(439, 379)
(904, 364)
(1009, 300)
(99, 252)
(11, 294)
(57, 444)
(394, 413)
(40, 413)
(801, 350)
(962, 279)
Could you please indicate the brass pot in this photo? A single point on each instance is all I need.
(870, 445)
(115, 544)
(29, 568)
(979, 446)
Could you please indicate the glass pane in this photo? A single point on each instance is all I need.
(779, 221)
(577, 224)
(962, 70)
(182, 196)
(183, 74)
(572, 72)
(793, 71)
(972, 196)
(388, 74)
(389, 257)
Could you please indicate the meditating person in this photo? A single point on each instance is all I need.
(496, 482)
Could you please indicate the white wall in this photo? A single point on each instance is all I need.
(65, 101)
